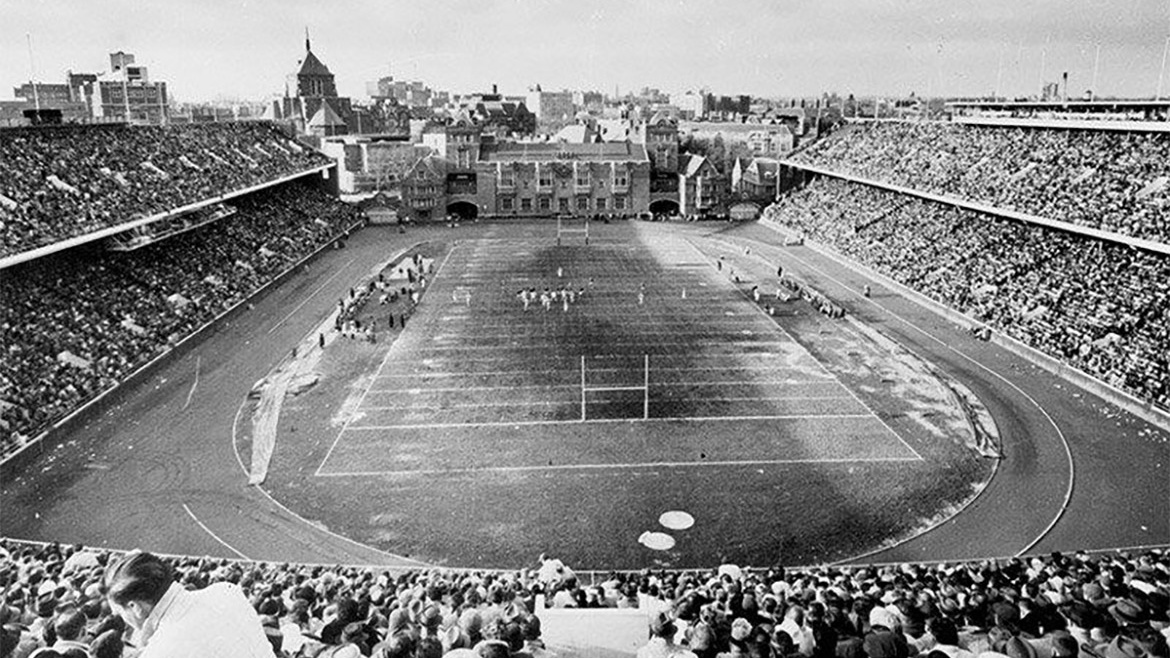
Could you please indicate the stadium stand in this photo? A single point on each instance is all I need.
(1115, 181)
(85, 319)
(62, 182)
(1097, 305)
(1112, 605)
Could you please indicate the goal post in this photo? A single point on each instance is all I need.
(644, 388)
(564, 231)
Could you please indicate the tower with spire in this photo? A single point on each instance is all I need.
(313, 105)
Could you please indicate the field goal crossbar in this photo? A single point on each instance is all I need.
(561, 230)
(645, 388)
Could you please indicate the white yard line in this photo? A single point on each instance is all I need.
(622, 466)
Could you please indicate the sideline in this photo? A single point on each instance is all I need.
(385, 358)
(633, 465)
(1064, 440)
(213, 535)
(311, 295)
(234, 438)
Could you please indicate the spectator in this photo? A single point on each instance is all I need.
(661, 643)
(171, 621)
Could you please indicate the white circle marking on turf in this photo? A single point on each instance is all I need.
(676, 520)
(658, 541)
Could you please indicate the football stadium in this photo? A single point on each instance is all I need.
(920, 404)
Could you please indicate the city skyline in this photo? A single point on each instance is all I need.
(246, 49)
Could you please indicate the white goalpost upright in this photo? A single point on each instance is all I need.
(645, 388)
(562, 231)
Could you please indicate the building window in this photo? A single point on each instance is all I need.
(582, 203)
(563, 204)
(621, 178)
(544, 203)
(583, 178)
(507, 203)
(619, 203)
(507, 178)
(526, 204)
(600, 203)
(546, 178)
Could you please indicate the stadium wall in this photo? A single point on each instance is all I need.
(1142, 409)
(11, 465)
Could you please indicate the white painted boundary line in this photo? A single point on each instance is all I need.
(412, 407)
(1067, 449)
(381, 366)
(213, 535)
(311, 295)
(627, 466)
(194, 384)
(672, 419)
(286, 510)
(793, 341)
(459, 389)
(504, 373)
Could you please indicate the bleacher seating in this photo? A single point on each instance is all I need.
(62, 182)
(1097, 305)
(1115, 181)
(1113, 605)
(85, 319)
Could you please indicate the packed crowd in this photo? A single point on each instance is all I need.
(62, 182)
(1097, 305)
(81, 321)
(1111, 180)
(1060, 606)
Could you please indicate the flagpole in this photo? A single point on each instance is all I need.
(1096, 66)
(32, 73)
(1162, 73)
(999, 72)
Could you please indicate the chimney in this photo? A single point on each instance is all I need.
(494, 89)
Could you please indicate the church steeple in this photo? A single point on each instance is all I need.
(307, 48)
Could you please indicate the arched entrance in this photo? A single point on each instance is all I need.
(463, 209)
(664, 207)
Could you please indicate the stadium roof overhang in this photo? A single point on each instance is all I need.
(40, 252)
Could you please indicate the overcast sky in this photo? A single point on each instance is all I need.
(208, 49)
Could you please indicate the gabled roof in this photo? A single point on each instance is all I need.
(325, 117)
(661, 117)
(432, 164)
(313, 66)
(693, 165)
(765, 167)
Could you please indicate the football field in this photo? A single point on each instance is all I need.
(648, 355)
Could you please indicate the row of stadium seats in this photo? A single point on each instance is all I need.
(83, 320)
(60, 183)
(1110, 180)
(1099, 306)
(1113, 605)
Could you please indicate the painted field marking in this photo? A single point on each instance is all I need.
(671, 419)
(213, 535)
(1067, 448)
(381, 366)
(194, 384)
(311, 295)
(539, 403)
(622, 466)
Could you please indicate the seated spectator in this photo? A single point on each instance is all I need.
(86, 318)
